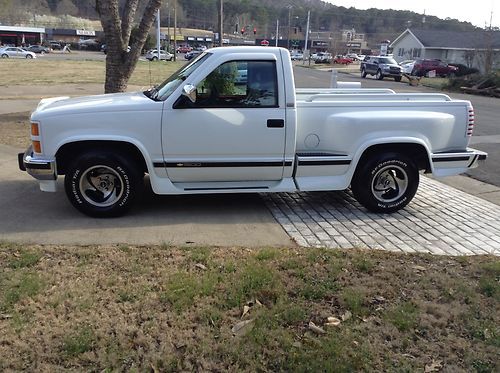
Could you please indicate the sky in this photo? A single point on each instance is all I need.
(476, 12)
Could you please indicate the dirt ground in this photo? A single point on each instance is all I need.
(15, 129)
(163, 308)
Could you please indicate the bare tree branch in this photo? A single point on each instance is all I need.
(128, 20)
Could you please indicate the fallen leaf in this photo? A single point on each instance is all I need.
(243, 327)
(379, 298)
(346, 316)
(356, 343)
(179, 345)
(419, 268)
(154, 369)
(316, 329)
(258, 303)
(5, 316)
(200, 266)
(245, 311)
(435, 366)
(297, 344)
(332, 321)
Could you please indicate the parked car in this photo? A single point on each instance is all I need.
(152, 55)
(38, 49)
(184, 49)
(407, 66)
(190, 55)
(55, 45)
(16, 52)
(342, 60)
(424, 66)
(297, 56)
(381, 66)
(323, 57)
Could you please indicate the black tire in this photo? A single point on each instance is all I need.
(363, 73)
(385, 183)
(29, 56)
(379, 75)
(102, 183)
(154, 58)
(397, 78)
(5, 55)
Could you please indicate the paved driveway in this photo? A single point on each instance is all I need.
(440, 220)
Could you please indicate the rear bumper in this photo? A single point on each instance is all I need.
(446, 164)
(39, 168)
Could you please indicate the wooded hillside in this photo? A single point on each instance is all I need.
(248, 14)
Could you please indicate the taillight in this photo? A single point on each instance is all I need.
(470, 123)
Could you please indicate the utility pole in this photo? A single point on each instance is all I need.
(175, 30)
(221, 23)
(277, 31)
(289, 21)
(306, 51)
(158, 33)
(168, 25)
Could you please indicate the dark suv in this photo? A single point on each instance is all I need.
(423, 66)
(381, 66)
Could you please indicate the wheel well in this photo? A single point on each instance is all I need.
(70, 151)
(413, 151)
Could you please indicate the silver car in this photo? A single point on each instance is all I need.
(152, 55)
(15, 52)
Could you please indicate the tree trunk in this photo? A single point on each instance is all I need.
(120, 63)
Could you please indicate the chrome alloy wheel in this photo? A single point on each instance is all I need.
(389, 183)
(101, 186)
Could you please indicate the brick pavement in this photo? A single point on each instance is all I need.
(440, 220)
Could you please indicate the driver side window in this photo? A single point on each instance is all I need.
(239, 84)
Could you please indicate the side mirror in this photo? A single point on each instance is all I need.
(189, 91)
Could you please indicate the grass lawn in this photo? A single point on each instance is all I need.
(166, 308)
(41, 72)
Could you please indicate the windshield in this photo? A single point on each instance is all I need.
(388, 60)
(165, 89)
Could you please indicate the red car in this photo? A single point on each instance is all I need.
(423, 66)
(342, 60)
(184, 49)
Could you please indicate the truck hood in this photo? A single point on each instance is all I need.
(135, 101)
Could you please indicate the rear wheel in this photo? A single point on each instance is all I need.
(386, 182)
(379, 75)
(154, 58)
(29, 56)
(5, 55)
(103, 183)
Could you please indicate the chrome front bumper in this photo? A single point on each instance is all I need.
(39, 168)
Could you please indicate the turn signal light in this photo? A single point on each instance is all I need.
(37, 146)
(35, 131)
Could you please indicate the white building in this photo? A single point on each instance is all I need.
(470, 48)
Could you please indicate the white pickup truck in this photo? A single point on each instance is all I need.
(232, 121)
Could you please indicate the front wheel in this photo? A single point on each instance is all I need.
(5, 55)
(385, 183)
(397, 78)
(379, 75)
(29, 56)
(363, 73)
(103, 183)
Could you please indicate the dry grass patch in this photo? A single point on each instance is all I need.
(166, 308)
(41, 72)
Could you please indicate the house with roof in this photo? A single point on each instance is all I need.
(471, 48)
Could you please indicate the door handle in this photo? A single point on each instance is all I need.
(275, 123)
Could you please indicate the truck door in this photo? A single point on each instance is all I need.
(234, 131)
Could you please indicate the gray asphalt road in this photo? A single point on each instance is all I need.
(29, 215)
(487, 109)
